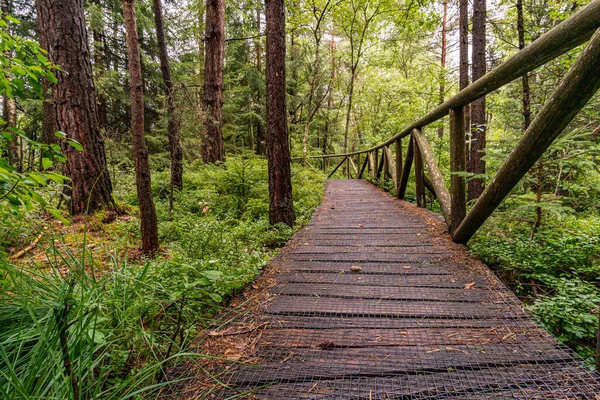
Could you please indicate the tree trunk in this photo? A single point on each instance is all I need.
(260, 148)
(173, 124)
(9, 112)
(142, 168)
(10, 116)
(49, 116)
(281, 208)
(524, 78)
(443, 60)
(99, 67)
(478, 121)
(201, 33)
(212, 139)
(463, 28)
(75, 101)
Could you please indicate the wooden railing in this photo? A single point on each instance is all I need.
(574, 91)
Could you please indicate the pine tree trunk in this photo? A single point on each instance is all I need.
(443, 60)
(478, 120)
(463, 31)
(74, 98)
(10, 116)
(260, 149)
(99, 67)
(524, 78)
(212, 138)
(281, 208)
(49, 117)
(173, 123)
(9, 112)
(142, 168)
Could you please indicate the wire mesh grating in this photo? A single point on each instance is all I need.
(411, 323)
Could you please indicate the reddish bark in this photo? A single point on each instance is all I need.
(475, 163)
(281, 208)
(74, 100)
(142, 168)
(173, 124)
(212, 139)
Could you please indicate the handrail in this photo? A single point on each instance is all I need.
(567, 35)
(576, 88)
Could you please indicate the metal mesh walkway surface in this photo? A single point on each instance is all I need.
(375, 302)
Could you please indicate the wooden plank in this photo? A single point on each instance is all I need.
(334, 322)
(419, 173)
(379, 292)
(316, 249)
(374, 257)
(360, 337)
(376, 280)
(302, 305)
(541, 381)
(434, 330)
(304, 364)
(437, 180)
(574, 91)
(375, 268)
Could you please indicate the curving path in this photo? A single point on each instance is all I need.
(375, 302)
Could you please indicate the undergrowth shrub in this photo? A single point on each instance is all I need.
(556, 267)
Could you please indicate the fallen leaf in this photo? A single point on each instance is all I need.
(406, 267)
(355, 268)
(255, 287)
(469, 285)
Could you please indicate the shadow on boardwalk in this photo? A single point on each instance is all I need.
(373, 301)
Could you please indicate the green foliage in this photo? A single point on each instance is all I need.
(557, 265)
(23, 65)
(126, 322)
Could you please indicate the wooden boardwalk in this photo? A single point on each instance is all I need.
(375, 302)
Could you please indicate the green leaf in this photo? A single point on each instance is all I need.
(46, 163)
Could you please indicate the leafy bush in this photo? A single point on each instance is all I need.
(557, 266)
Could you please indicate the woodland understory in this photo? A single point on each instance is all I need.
(156, 155)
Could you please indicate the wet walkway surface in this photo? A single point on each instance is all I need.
(373, 301)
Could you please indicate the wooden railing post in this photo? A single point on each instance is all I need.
(381, 161)
(386, 161)
(336, 168)
(419, 173)
(440, 190)
(376, 168)
(398, 166)
(362, 170)
(458, 203)
(406, 169)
